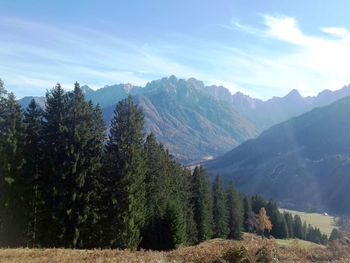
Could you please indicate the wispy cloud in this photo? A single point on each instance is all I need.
(336, 31)
(307, 62)
(276, 57)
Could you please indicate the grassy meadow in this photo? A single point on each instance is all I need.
(323, 222)
(216, 250)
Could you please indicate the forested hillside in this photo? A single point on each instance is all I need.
(63, 184)
(303, 162)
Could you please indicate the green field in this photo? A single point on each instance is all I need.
(297, 242)
(323, 222)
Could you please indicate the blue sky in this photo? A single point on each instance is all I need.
(261, 48)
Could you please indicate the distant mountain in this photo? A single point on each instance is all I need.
(193, 125)
(197, 122)
(109, 95)
(304, 162)
(24, 102)
(264, 114)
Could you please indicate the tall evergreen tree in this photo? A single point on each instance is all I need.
(157, 193)
(174, 226)
(92, 228)
(220, 216)
(125, 170)
(235, 212)
(248, 216)
(166, 199)
(279, 225)
(290, 224)
(33, 158)
(84, 144)
(298, 227)
(54, 169)
(12, 193)
(202, 203)
(220, 212)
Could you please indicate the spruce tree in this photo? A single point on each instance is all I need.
(174, 226)
(167, 193)
(220, 216)
(298, 227)
(335, 235)
(290, 224)
(235, 212)
(53, 212)
(279, 225)
(33, 159)
(12, 183)
(202, 203)
(91, 233)
(125, 172)
(84, 144)
(248, 216)
(157, 193)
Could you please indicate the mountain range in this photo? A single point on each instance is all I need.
(197, 122)
(303, 163)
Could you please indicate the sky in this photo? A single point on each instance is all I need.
(262, 48)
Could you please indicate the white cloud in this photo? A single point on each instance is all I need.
(295, 59)
(280, 57)
(336, 31)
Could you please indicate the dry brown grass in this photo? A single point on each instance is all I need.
(210, 251)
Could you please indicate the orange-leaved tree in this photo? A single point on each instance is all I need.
(262, 222)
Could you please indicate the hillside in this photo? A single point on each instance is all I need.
(303, 162)
(216, 250)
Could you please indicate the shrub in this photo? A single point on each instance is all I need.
(263, 255)
(236, 255)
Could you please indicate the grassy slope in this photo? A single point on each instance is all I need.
(324, 223)
(297, 242)
(207, 251)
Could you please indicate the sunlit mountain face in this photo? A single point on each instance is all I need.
(197, 122)
(303, 162)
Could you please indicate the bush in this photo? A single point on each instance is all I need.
(263, 255)
(236, 255)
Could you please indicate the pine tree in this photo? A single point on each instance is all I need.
(279, 225)
(290, 224)
(248, 216)
(33, 158)
(304, 231)
(12, 184)
(54, 169)
(235, 212)
(84, 144)
(174, 226)
(298, 227)
(91, 233)
(125, 170)
(157, 193)
(335, 235)
(202, 203)
(220, 216)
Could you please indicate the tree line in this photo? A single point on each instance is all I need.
(66, 182)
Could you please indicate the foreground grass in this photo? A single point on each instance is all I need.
(210, 251)
(324, 223)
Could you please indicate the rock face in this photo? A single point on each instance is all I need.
(192, 124)
(304, 162)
